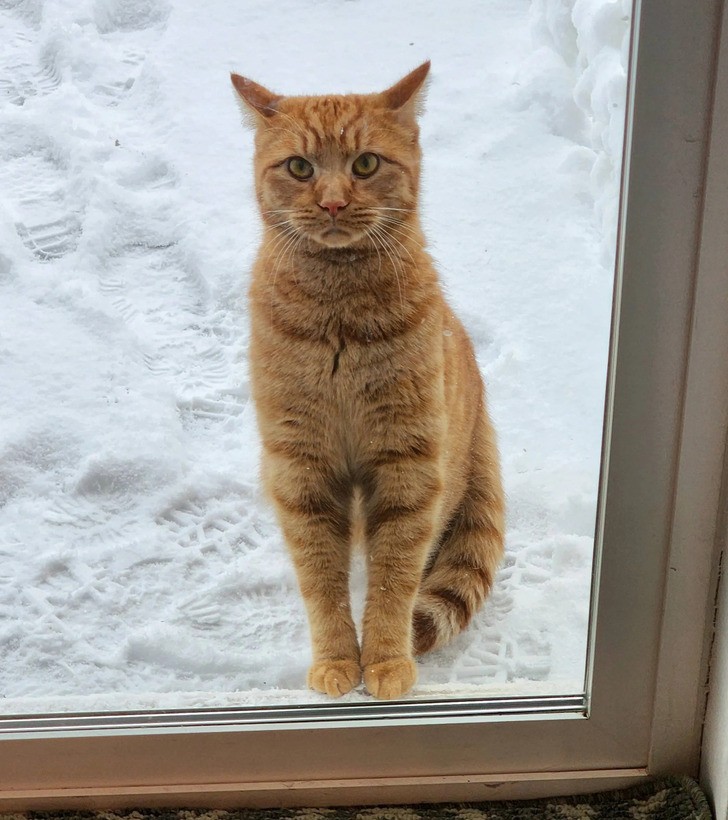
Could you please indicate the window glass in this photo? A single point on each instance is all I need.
(142, 566)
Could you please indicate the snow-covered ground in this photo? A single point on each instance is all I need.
(139, 564)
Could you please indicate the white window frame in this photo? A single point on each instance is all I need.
(661, 485)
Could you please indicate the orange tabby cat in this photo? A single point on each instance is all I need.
(368, 396)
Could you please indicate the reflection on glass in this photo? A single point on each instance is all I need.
(141, 565)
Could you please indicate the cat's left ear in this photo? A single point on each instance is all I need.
(258, 104)
(406, 98)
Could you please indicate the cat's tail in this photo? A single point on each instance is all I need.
(458, 580)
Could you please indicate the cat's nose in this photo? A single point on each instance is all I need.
(333, 206)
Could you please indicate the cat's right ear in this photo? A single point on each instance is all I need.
(257, 103)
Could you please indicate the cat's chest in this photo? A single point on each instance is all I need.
(336, 348)
(349, 361)
(344, 370)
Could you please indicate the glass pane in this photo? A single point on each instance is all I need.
(142, 566)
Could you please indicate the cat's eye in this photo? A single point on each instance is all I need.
(299, 168)
(365, 165)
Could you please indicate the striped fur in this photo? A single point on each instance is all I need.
(368, 397)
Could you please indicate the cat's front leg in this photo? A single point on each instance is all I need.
(401, 507)
(314, 512)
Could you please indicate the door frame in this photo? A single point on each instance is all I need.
(661, 484)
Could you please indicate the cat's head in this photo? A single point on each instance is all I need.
(339, 170)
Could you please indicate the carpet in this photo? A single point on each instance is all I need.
(669, 798)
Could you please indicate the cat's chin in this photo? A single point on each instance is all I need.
(336, 237)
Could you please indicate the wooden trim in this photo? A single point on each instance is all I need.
(657, 479)
(351, 792)
(696, 537)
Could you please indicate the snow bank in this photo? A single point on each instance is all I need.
(578, 75)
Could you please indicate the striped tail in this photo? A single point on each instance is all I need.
(461, 575)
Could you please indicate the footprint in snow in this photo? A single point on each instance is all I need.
(24, 74)
(155, 286)
(34, 181)
(153, 283)
(113, 77)
(210, 524)
(202, 614)
(222, 409)
(530, 657)
(29, 12)
(121, 15)
(150, 174)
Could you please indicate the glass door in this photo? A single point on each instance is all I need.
(144, 567)
(505, 704)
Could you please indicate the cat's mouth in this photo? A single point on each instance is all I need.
(335, 235)
(337, 232)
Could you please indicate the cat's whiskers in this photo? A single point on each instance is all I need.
(280, 211)
(280, 241)
(391, 253)
(286, 223)
(390, 222)
(374, 211)
(401, 215)
(367, 233)
(377, 243)
(289, 239)
(300, 131)
(291, 249)
(390, 226)
(403, 247)
(296, 136)
(398, 220)
(405, 231)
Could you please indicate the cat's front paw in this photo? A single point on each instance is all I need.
(334, 677)
(390, 679)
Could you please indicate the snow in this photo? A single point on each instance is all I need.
(140, 565)
(585, 44)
